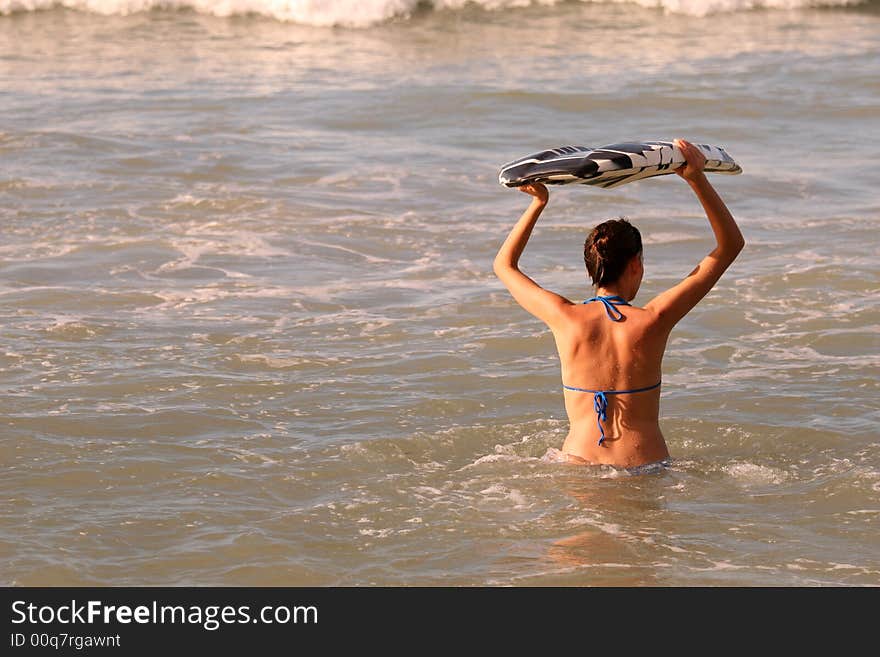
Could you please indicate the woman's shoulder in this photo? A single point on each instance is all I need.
(644, 322)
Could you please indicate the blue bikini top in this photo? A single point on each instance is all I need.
(610, 304)
(600, 401)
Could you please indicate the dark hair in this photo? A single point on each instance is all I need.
(609, 247)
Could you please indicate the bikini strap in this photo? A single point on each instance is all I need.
(610, 302)
(600, 402)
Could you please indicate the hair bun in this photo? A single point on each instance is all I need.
(609, 247)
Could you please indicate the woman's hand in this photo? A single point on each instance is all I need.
(538, 190)
(696, 161)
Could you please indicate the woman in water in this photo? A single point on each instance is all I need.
(611, 352)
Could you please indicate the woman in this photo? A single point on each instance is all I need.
(610, 351)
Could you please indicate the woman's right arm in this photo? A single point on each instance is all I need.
(676, 302)
(543, 304)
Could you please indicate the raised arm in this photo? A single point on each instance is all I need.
(677, 301)
(543, 304)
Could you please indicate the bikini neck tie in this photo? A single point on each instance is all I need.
(610, 302)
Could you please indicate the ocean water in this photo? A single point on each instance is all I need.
(250, 335)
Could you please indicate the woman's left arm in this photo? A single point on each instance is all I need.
(543, 304)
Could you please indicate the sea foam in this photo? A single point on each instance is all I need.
(363, 13)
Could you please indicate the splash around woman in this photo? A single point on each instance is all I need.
(610, 351)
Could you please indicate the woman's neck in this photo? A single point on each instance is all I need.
(611, 291)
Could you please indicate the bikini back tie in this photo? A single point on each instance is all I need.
(600, 402)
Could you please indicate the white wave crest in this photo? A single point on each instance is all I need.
(363, 13)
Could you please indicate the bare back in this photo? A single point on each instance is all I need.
(597, 354)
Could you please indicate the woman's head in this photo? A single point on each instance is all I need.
(609, 248)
